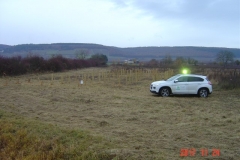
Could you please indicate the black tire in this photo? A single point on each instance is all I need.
(203, 92)
(164, 92)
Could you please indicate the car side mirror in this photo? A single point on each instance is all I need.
(175, 81)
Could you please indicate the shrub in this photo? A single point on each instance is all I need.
(34, 64)
(12, 66)
(229, 79)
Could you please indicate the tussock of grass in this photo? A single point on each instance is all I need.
(25, 139)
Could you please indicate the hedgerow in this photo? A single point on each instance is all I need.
(34, 64)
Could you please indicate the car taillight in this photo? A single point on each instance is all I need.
(209, 83)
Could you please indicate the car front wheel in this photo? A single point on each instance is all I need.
(164, 92)
(203, 93)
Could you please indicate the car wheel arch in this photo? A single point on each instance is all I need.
(164, 94)
(165, 87)
(202, 88)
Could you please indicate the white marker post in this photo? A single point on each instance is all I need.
(81, 82)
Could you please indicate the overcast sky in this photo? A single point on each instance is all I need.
(122, 23)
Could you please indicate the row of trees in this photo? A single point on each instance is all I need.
(35, 64)
(168, 61)
(223, 58)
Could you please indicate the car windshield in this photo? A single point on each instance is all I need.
(172, 78)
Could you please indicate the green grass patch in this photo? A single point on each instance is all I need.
(22, 138)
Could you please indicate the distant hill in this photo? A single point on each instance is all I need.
(114, 53)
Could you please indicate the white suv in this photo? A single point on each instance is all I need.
(183, 84)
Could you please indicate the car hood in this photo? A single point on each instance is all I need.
(158, 82)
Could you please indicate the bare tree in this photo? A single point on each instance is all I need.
(224, 57)
(167, 59)
(237, 62)
(81, 54)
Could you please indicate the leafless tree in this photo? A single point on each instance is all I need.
(224, 57)
(81, 54)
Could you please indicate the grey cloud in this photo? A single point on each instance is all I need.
(120, 3)
(186, 9)
(211, 20)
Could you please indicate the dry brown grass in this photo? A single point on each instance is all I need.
(125, 113)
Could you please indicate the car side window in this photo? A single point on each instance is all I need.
(195, 79)
(183, 79)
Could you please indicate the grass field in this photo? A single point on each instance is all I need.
(123, 119)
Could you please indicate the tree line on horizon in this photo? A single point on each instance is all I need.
(223, 58)
(17, 65)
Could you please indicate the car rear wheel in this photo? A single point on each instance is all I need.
(164, 92)
(203, 93)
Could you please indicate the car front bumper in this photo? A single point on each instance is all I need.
(153, 89)
(155, 92)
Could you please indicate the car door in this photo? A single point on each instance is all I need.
(193, 84)
(180, 85)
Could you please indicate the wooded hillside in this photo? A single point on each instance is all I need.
(114, 53)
